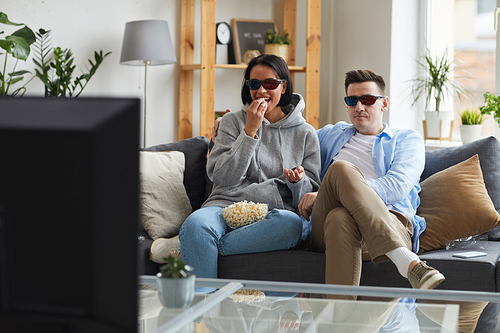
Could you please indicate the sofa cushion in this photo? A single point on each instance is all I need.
(488, 150)
(195, 151)
(164, 202)
(455, 204)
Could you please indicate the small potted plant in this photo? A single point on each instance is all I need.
(491, 106)
(277, 44)
(175, 283)
(472, 120)
(437, 81)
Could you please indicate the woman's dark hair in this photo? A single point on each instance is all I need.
(279, 66)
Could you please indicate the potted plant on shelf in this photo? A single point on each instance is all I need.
(437, 80)
(277, 44)
(175, 283)
(472, 120)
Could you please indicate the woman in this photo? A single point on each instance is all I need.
(265, 153)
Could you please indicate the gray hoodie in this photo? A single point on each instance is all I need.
(245, 168)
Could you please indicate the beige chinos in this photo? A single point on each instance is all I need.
(349, 215)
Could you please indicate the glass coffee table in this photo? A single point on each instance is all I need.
(262, 306)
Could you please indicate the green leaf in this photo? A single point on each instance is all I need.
(18, 48)
(17, 73)
(27, 34)
(4, 19)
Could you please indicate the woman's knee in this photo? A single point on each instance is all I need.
(285, 218)
(200, 223)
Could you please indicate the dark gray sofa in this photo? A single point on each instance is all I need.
(299, 265)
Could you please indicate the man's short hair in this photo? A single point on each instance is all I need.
(364, 75)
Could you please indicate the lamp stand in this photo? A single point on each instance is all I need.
(146, 64)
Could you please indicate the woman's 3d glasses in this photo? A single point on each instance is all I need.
(365, 100)
(269, 84)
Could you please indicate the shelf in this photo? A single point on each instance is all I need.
(207, 65)
(195, 67)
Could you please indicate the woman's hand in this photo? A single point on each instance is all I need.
(294, 175)
(255, 114)
(307, 203)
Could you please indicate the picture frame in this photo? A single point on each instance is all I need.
(249, 35)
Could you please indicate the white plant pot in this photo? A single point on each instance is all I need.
(438, 124)
(176, 293)
(470, 133)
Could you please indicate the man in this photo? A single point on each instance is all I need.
(369, 192)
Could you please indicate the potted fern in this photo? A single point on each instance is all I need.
(277, 44)
(175, 283)
(472, 120)
(437, 81)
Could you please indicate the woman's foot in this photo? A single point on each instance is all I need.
(163, 247)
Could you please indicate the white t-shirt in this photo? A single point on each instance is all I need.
(358, 151)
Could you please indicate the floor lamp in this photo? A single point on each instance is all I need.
(147, 43)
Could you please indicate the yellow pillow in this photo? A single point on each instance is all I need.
(455, 204)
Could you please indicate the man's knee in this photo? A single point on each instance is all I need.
(342, 170)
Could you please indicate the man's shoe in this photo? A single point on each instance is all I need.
(163, 247)
(421, 276)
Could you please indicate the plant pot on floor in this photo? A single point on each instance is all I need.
(176, 292)
(469, 133)
(438, 125)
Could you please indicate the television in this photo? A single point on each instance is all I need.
(69, 214)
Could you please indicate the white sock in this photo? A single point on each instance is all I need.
(402, 257)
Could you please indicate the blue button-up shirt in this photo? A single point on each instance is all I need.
(398, 158)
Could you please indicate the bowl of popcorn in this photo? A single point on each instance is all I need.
(243, 213)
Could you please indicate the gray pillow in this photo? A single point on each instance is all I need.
(195, 175)
(488, 150)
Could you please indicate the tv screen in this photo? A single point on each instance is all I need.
(69, 212)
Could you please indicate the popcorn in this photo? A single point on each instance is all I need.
(243, 213)
(248, 296)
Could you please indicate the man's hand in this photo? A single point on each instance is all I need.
(215, 127)
(307, 203)
(294, 175)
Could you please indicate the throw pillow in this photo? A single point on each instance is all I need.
(196, 182)
(455, 204)
(488, 150)
(165, 204)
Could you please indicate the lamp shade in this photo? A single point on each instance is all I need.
(147, 40)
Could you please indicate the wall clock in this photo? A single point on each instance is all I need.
(223, 33)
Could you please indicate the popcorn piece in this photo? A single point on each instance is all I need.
(243, 213)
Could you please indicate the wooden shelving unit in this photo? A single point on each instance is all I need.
(207, 64)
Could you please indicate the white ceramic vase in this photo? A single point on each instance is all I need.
(470, 133)
(438, 124)
(176, 293)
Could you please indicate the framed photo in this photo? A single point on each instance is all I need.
(249, 35)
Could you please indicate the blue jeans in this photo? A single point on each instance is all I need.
(205, 230)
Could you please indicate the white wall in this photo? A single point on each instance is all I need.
(383, 36)
(85, 26)
(355, 34)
